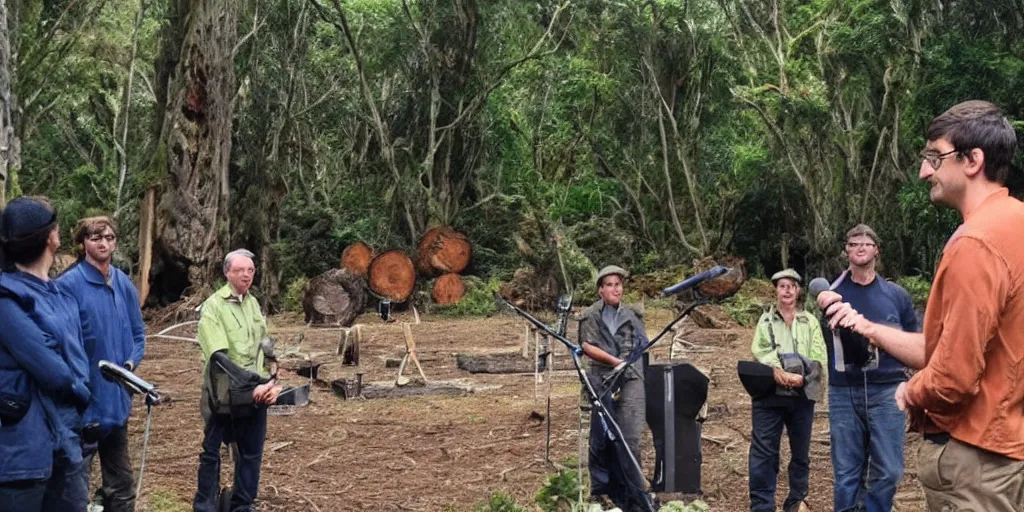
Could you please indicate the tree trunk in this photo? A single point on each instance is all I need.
(442, 249)
(335, 297)
(448, 289)
(392, 275)
(356, 258)
(10, 146)
(146, 223)
(195, 141)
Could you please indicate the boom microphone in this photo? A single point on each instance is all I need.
(716, 271)
(130, 381)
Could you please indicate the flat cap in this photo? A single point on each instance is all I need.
(611, 270)
(787, 273)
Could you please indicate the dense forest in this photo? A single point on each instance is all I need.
(558, 136)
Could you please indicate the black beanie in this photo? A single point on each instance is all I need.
(24, 216)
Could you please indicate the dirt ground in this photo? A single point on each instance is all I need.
(441, 453)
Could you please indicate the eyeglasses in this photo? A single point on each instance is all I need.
(98, 238)
(935, 159)
(858, 245)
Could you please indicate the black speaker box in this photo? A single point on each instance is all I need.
(675, 394)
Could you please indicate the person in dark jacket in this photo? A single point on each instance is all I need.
(43, 371)
(112, 327)
(866, 428)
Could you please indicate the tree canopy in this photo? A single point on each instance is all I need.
(644, 134)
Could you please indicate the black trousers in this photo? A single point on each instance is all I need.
(116, 468)
(768, 418)
(248, 434)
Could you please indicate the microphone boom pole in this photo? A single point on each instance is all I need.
(610, 426)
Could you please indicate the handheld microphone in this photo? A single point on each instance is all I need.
(130, 381)
(716, 271)
(818, 285)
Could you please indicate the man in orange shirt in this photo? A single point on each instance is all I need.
(968, 397)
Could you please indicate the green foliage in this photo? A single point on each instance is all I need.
(559, 492)
(477, 301)
(500, 502)
(750, 302)
(679, 506)
(628, 123)
(293, 294)
(918, 287)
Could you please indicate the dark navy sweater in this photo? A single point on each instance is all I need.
(883, 302)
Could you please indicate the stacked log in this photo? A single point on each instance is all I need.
(335, 297)
(442, 249)
(448, 289)
(392, 275)
(356, 258)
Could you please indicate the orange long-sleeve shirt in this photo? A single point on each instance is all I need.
(973, 384)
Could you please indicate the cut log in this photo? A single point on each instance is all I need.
(344, 387)
(392, 275)
(504, 362)
(356, 258)
(442, 249)
(335, 297)
(448, 289)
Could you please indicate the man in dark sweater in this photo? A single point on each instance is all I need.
(867, 428)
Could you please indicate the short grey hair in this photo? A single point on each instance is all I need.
(234, 254)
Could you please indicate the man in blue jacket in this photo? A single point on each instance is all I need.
(42, 369)
(867, 429)
(112, 327)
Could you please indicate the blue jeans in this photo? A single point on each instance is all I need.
(768, 417)
(248, 435)
(867, 434)
(22, 495)
(64, 491)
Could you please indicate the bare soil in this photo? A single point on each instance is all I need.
(442, 453)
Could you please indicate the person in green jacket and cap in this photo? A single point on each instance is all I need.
(785, 334)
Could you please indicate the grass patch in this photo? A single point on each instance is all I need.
(162, 500)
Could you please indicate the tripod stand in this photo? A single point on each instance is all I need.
(608, 424)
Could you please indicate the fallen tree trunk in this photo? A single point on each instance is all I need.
(392, 276)
(356, 258)
(344, 389)
(504, 362)
(442, 249)
(448, 289)
(334, 297)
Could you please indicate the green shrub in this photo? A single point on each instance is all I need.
(500, 502)
(478, 300)
(679, 506)
(293, 295)
(560, 492)
(754, 298)
(918, 288)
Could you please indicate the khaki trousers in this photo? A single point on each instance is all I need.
(958, 477)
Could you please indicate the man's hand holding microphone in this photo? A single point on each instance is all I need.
(841, 315)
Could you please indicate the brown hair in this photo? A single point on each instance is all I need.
(90, 226)
(982, 125)
(863, 230)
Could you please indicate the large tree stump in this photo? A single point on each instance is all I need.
(448, 289)
(442, 249)
(334, 297)
(356, 258)
(392, 276)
